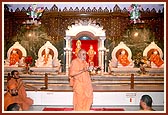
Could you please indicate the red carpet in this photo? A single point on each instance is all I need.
(93, 109)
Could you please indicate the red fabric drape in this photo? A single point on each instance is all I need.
(85, 44)
(93, 109)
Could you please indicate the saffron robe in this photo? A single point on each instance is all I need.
(14, 58)
(123, 60)
(91, 54)
(22, 93)
(155, 58)
(82, 86)
(9, 99)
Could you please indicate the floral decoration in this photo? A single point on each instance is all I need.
(34, 11)
(28, 60)
(134, 13)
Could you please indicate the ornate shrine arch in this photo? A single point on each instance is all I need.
(85, 33)
(85, 28)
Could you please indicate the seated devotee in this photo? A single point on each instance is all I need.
(45, 60)
(21, 89)
(14, 107)
(156, 61)
(146, 103)
(91, 54)
(11, 96)
(14, 58)
(123, 60)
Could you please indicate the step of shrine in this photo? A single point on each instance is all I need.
(97, 81)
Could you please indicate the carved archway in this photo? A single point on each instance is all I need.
(81, 28)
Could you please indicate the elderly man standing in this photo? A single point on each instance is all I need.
(82, 86)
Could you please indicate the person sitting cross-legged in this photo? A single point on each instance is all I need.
(21, 89)
(11, 96)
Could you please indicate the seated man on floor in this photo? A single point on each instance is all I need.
(21, 89)
(123, 60)
(156, 61)
(11, 96)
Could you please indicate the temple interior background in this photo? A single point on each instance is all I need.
(56, 28)
(54, 23)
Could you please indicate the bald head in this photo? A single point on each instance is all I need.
(82, 54)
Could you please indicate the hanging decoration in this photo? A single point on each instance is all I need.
(34, 14)
(134, 13)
